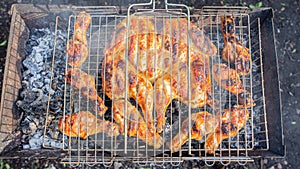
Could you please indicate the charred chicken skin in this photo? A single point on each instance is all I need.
(136, 126)
(148, 33)
(84, 124)
(202, 123)
(230, 124)
(77, 47)
(114, 79)
(175, 86)
(234, 51)
(229, 79)
(85, 84)
(175, 28)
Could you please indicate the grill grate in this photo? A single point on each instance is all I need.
(100, 148)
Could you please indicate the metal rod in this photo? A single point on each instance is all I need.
(262, 83)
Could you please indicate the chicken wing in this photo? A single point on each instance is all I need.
(85, 83)
(231, 122)
(234, 51)
(136, 126)
(77, 47)
(202, 123)
(84, 124)
(229, 79)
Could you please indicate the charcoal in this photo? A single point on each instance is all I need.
(56, 144)
(26, 146)
(30, 96)
(36, 86)
(32, 127)
(47, 142)
(35, 143)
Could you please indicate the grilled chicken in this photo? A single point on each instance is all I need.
(155, 47)
(229, 79)
(177, 28)
(234, 51)
(165, 92)
(202, 123)
(231, 122)
(173, 30)
(85, 84)
(139, 88)
(175, 86)
(136, 126)
(145, 54)
(77, 47)
(84, 124)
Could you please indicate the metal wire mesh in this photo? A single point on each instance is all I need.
(102, 33)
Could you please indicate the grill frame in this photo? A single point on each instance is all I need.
(20, 13)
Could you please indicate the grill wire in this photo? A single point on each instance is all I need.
(100, 148)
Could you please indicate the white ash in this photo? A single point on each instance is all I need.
(36, 88)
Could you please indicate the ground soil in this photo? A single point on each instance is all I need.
(287, 33)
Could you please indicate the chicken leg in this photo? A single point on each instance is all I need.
(83, 124)
(202, 123)
(231, 122)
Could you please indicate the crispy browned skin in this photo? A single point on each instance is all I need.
(77, 47)
(84, 124)
(231, 122)
(165, 91)
(148, 33)
(141, 90)
(202, 123)
(229, 79)
(175, 86)
(136, 125)
(145, 54)
(234, 51)
(176, 28)
(85, 84)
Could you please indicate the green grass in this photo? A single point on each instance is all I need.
(257, 5)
